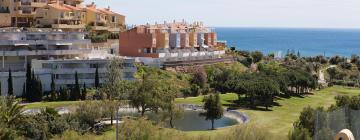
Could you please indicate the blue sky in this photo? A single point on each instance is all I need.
(241, 13)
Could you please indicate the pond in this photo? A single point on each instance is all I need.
(190, 121)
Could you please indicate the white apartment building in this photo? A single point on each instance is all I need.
(52, 52)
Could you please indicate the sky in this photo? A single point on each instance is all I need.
(241, 13)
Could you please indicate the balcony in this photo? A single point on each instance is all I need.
(38, 4)
(67, 26)
(44, 52)
(44, 42)
(100, 28)
(22, 12)
(114, 29)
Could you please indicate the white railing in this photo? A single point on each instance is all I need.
(44, 52)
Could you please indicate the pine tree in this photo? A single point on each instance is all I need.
(10, 84)
(97, 84)
(28, 82)
(84, 92)
(213, 108)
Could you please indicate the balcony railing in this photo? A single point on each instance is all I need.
(67, 26)
(100, 28)
(43, 42)
(44, 52)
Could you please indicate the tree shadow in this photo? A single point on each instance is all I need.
(243, 104)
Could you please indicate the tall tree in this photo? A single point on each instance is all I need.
(52, 84)
(24, 91)
(28, 82)
(53, 89)
(113, 86)
(10, 84)
(213, 108)
(84, 92)
(36, 89)
(76, 94)
(97, 83)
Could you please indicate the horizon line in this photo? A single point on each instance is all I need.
(279, 27)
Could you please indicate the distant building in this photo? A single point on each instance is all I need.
(103, 19)
(60, 14)
(171, 42)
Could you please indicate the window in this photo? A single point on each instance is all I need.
(62, 15)
(113, 19)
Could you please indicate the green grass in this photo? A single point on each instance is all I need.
(279, 121)
(225, 99)
(51, 104)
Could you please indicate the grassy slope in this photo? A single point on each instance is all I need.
(280, 120)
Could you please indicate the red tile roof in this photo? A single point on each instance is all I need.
(64, 7)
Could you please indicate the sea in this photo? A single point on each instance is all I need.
(308, 42)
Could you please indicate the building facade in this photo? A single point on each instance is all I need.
(175, 41)
(60, 14)
(51, 52)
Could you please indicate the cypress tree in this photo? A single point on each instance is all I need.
(0, 89)
(40, 88)
(84, 92)
(23, 91)
(36, 89)
(30, 92)
(52, 85)
(53, 89)
(97, 77)
(76, 90)
(28, 82)
(10, 84)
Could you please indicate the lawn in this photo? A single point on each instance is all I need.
(279, 121)
(51, 104)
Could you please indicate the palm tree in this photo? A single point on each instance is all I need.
(10, 111)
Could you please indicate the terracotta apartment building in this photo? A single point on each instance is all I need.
(60, 14)
(169, 40)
